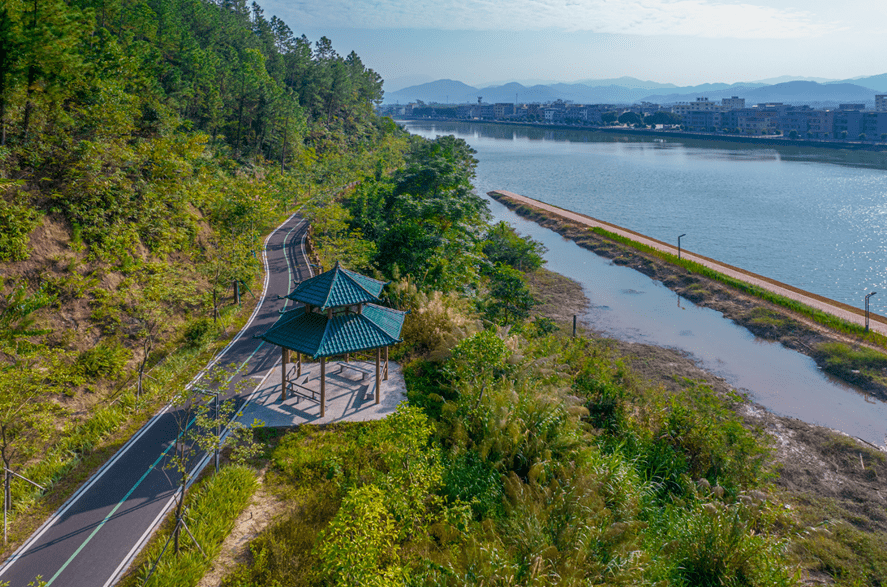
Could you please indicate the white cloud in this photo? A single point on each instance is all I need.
(697, 18)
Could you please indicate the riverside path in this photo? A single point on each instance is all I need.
(91, 540)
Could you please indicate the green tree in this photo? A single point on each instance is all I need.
(10, 40)
(662, 117)
(629, 118)
(503, 244)
(510, 299)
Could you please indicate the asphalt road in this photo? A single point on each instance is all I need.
(91, 540)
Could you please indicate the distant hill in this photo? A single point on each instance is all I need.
(791, 92)
(794, 78)
(625, 82)
(796, 92)
(442, 91)
(874, 82)
(399, 83)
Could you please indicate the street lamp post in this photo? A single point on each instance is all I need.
(679, 246)
(867, 309)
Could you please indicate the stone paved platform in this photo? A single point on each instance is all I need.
(349, 395)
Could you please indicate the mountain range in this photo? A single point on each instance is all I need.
(627, 90)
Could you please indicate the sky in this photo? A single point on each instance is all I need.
(685, 42)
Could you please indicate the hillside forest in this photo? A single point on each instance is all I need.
(146, 149)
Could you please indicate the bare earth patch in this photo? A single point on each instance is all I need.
(263, 509)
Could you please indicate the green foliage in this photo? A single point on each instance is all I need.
(426, 221)
(510, 299)
(841, 356)
(716, 543)
(18, 310)
(106, 359)
(629, 118)
(198, 332)
(17, 220)
(662, 117)
(358, 547)
(473, 480)
(212, 508)
(605, 401)
(503, 244)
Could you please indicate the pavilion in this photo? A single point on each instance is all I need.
(340, 316)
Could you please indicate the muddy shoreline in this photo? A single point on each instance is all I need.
(764, 319)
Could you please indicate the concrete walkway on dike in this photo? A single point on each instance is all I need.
(349, 395)
(846, 312)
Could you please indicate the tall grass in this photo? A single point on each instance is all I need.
(212, 507)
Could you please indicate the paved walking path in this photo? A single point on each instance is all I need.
(877, 323)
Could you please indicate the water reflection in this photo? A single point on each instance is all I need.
(752, 151)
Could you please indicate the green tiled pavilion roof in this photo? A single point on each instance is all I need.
(337, 287)
(317, 335)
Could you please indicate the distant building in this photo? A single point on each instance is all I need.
(699, 105)
(874, 124)
(848, 123)
(851, 107)
(807, 123)
(881, 102)
(777, 108)
(733, 103)
(702, 120)
(576, 112)
(753, 121)
(503, 109)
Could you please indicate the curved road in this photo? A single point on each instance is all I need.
(91, 540)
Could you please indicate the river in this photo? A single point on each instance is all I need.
(738, 205)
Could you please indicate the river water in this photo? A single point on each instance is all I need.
(802, 217)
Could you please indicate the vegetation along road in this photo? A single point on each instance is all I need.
(93, 537)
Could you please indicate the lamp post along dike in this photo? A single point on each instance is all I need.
(867, 309)
(679, 246)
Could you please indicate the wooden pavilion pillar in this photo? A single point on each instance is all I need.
(283, 360)
(386, 363)
(378, 379)
(298, 364)
(322, 386)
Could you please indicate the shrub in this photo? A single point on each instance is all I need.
(106, 359)
(17, 220)
(436, 322)
(715, 544)
(472, 480)
(198, 332)
(358, 547)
